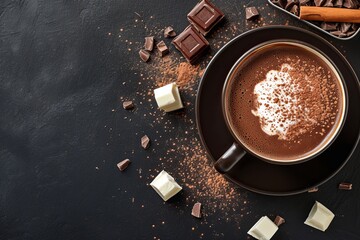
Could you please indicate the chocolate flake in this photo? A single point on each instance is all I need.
(291, 3)
(196, 210)
(304, 2)
(338, 3)
(345, 186)
(163, 49)
(169, 32)
(149, 43)
(128, 105)
(145, 142)
(338, 33)
(123, 164)
(355, 27)
(314, 189)
(329, 3)
(279, 220)
(295, 10)
(144, 55)
(329, 26)
(280, 3)
(345, 27)
(349, 33)
(350, 4)
(319, 3)
(251, 13)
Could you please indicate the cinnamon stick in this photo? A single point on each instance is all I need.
(329, 14)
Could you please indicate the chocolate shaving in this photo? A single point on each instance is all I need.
(304, 2)
(144, 55)
(127, 105)
(329, 3)
(251, 13)
(123, 164)
(319, 3)
(149, 43)
(290, 4)
(279, 220)
(350, 4)
(196, 210)
(345, 186)
(329, 26)
(345, 27)
(338, 3)
(280, 3)
(295, 10)
(338, 33)
(163, 49)
(169, 32)
(145, 142)
(314, 189)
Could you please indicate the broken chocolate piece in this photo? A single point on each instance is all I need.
(314, 189)
(123, 164)
(251, 13)
(345, 27)
(338, 33)
(280, 3)
(350, 4)
(145, 142)
(328, 26)
(196, 210)
(345, 186)
(329, 3)
(319, 3)
(191, 44)
(149, 43)
(127, 105)
(291, 3)
(295, 10)
(169, 32)
(279, 220)
(144, 55)
(338, 3)
(204, 16)
(163, 49)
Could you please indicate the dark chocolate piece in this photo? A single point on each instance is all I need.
(145, 142)
(144, 55)
(305, 2)
(204, 16)
(350, 3)
(345, 27)
(329, 3)
(280, 3)
(123, 164)
(345, 186)
(291, 3)
(279, 220)
(314, 189)
(338, 33)
(251, 13)
(169, 32)
(163, 49)
(295, 10)
(196, 210)
(149, 43)
(127, 105)
(338, 3)
(319, 3)
(329, 26)
(191, 44)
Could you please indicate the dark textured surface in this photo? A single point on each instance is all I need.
(61, 74)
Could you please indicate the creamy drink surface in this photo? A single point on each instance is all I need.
(285, 103)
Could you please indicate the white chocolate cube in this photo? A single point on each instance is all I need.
(165, 185)
(264, 229)
(168, 97)
(319, 217)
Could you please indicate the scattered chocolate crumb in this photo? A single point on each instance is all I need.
(345, 186)
(196, 210)
(145, 142)
(163, 49)
(128, 105)
(144, 55)
(149, 43)
(314, 189)
(279, 220)
(169, 32)
(251, 13)
(123, 164)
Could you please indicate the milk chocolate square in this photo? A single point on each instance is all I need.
(191, 44)
(204, 16)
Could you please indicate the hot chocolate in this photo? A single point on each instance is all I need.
(285, 102)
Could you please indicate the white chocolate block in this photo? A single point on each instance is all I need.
(168, 97)
(264, 229)
(319, 217)
(165, 185)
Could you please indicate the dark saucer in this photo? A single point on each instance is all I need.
(252, 173)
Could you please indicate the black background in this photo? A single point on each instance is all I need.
(64, 66)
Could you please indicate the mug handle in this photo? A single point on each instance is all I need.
(229, 159)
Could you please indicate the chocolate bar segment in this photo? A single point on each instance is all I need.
(251, 13)
(191, 44)
(162, 48)
(149, 43)
(204, 16)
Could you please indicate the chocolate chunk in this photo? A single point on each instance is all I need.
(345, 27)
(251, 13)
(305, 2)
(149, 43)
(291, 3)
(295, 10)
(329, 26)
(196, 210)
(163, 49)
(123, 164)
(350, 3)
(329, 3)
(144, 55)
(280, 3)
(319, 3)
(314, 189)
(345, 186)
(145, 142)
(338, 3)
(191, 44)
(338, 33)
(127, 105)
(204, 16)
(169, 32)
(279, 220)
